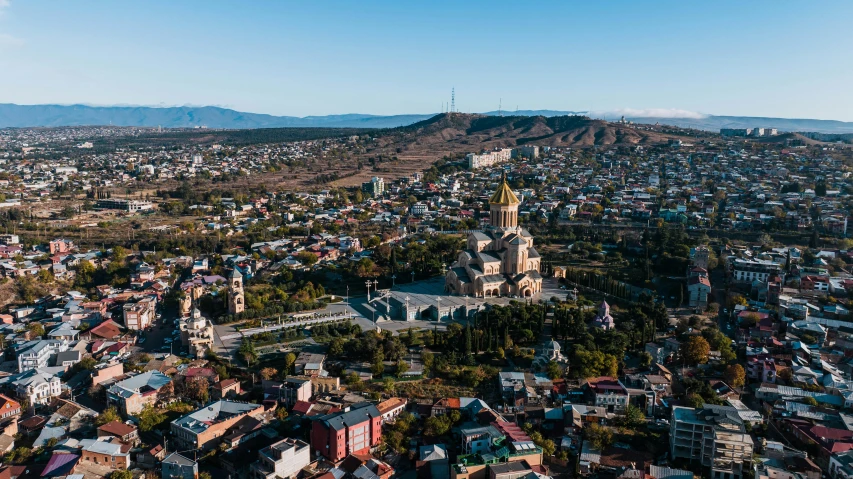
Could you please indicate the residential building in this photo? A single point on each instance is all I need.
(309, 364)
(123, 432)
(113, 455)
(37, 386)
(715, 436)
(490, 158)
(176, 466)
(134, 393)
(747, 271)
(609, 393)
(698, 288)
(226, 389)
(295, 389)
(38, 353)
(355, 430)
(375, 187)
(201, 429)
(391, 408)
(140, 314)
(284, 460)
(9, 407)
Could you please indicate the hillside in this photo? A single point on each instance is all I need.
(470, 132)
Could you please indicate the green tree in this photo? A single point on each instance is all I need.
(645, 359)
(150, 418)
(307, 258)
(247, 351)
(634, 417)
(110, 414)
(599, 436)
(36, 329)
(735, 375)
(336, 347)
(554, 370)
(810, 401)
(695, 350)
(695, 401)
(289, 361)
(125, 474)
(402, 368)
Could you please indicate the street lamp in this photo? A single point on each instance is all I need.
(393, 277)
(438, 300)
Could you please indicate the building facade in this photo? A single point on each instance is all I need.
(355, 430)
(140, 315)
(714, 436)
(501, 260)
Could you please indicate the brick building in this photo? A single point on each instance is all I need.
(206, 427)
(355, 430)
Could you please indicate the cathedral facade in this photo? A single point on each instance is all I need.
(500, 260)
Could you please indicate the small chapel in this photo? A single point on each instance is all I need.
(501, 259)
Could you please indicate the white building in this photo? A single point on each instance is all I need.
(283, 459)
(419, 209)
(37, 353)
(36, 385)
(487, 159)
(749, 270)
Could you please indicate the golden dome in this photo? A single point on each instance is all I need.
(504, 195)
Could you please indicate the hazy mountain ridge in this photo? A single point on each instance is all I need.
(19, 116)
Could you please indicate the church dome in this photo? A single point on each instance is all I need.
(504, 195)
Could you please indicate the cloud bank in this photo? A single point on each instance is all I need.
(650, 113)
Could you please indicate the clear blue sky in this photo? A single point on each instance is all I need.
(756, 58)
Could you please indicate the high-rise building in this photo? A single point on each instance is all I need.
(375, 187)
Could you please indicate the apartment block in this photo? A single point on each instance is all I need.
(714, 436)
(140, 315)
(37, 354)
(355, 430)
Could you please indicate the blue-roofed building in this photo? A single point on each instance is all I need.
(134, 393)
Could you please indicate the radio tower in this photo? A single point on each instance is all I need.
(500, 103)
(453, 100)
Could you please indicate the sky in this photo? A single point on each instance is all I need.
(775, 58)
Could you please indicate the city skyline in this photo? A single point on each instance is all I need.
(760, 59)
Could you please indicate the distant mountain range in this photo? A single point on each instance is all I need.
(12, 115)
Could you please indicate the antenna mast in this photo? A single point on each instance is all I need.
(500, 103)
(453, 100)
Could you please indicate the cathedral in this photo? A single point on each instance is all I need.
(500, 260)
